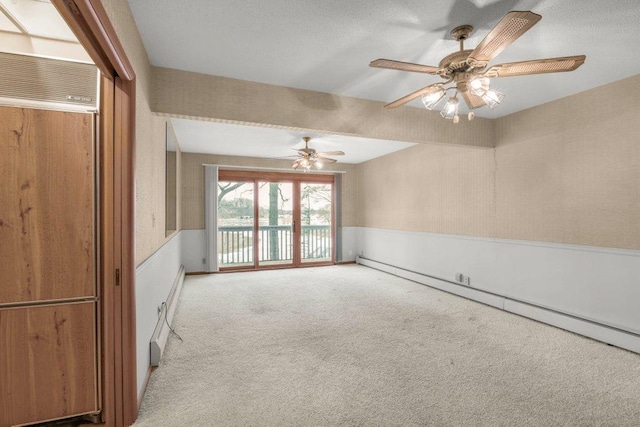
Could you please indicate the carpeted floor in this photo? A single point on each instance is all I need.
(348, 345)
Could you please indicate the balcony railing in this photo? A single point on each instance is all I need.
(235, 243)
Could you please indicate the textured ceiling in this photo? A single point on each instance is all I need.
(327, 45)
(253, 141)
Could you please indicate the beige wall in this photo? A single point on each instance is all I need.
(569, 171)
(429, 187)
(564, 172)
(150, 138)
(172, 191)
(193, 185)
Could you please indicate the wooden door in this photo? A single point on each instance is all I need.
(47, 362)
(48, 294)
(46, 205)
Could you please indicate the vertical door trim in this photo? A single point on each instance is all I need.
(106, 260)
(337, 218)
(91, 25)
(256, 226)
(124, 124)
(297, 230)
(211, 217)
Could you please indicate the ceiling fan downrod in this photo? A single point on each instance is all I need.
(461, 33)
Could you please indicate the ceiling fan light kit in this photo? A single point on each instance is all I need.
(431, 99)
(309, 158)
(467, 73)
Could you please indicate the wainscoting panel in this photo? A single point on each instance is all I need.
(194, 251)
(154, 279)
(349, 243)
(578, 288)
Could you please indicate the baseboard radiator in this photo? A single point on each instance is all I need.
(598, 331)
(161, 333)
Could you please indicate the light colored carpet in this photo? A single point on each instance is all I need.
(348, 345)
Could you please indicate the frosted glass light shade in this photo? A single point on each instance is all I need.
(479, 85)
(432, 98)
(450, 109)
(493, 98)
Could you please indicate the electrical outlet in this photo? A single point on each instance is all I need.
(466, 281)
(459, 277)
(204, 260)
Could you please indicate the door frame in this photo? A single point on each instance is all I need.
(297, 178)
(116, 229)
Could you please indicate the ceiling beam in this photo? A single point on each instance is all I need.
(184, 94)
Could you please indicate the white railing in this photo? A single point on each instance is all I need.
(235, 243)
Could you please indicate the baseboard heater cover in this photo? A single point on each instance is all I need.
(607, 334)
(161, 333)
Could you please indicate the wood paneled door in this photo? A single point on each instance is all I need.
(47, 362)
(48, 286)
(46, 205)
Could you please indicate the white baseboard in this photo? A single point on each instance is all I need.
(585, 327)
(161, 332)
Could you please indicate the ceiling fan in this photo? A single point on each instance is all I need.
(309, 157)
(467, 70)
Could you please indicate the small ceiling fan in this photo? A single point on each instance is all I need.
(467, 69)
(308, 158)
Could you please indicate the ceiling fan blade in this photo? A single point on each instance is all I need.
(537, 66)
(410, 97)
(403, 66)
(293, 156)
(513, 25)
(473, 100)
(331, 153)
(326, 159)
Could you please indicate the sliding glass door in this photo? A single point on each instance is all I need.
(272, 220)
(275, 224)
(236, 221)
(316, 208)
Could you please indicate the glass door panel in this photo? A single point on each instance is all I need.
(275, 223)
(235, 224)
(315, 215)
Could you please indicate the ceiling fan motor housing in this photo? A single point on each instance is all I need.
(455, 62)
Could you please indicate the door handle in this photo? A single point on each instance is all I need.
(294, 225)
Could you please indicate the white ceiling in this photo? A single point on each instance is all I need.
(327, 45)
(34, 17)
(252, 141)
(34, 27)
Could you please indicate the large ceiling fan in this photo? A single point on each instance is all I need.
(467, 71)
(308, 158)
